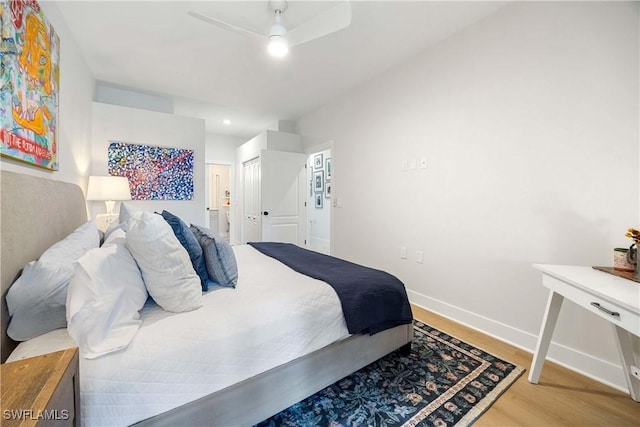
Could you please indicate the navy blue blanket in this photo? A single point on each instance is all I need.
(372, 300)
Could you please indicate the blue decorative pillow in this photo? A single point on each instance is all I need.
(218, 256)
(188, 241)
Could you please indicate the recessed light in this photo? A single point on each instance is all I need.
(226, 122)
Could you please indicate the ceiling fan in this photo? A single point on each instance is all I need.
(278, 37)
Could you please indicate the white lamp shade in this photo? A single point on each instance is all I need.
(108, 188)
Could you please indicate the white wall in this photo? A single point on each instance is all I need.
(529, 123)
(221, 148)
(110, 94)
(268, 140)
(124, 124)
(74, 119)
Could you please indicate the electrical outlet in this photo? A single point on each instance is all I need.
(635, 371)
(413, 163)
(423, 163)
(404, 166)
(419, 257)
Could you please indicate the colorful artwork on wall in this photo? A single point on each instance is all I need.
(154, 173)
(29, 84)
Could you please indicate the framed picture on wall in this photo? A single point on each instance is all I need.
(154, 172)
(30, 76)
(327, 190)
(318, 181)
(317, 161)
(328, 169)
(319, 200)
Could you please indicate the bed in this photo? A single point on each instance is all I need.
(209, 382)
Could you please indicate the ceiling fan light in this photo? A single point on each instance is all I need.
(278, 46)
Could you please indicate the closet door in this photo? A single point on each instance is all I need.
(251, 201)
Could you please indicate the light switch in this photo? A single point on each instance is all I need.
(404, 166)
(403, 252)
(419, 257)
(413, 164)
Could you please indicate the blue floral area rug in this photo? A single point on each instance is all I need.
(442, 382)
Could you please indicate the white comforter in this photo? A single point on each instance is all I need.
(274, 315)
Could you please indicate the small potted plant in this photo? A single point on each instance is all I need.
(632, 253)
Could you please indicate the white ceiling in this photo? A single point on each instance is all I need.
(212, 73)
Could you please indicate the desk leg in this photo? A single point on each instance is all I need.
(625, 348)
(544, 338)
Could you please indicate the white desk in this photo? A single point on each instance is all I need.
(613, 298)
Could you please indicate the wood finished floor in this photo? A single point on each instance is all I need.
(562, 398)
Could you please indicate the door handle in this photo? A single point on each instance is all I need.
(265, 213)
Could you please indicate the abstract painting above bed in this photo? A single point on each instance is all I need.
(154, 173)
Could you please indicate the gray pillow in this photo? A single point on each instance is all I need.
(188, 241)
(218, 256)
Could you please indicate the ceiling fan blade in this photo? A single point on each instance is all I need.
(224, 25)
(330, 21)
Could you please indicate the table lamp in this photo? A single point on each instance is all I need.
(109, 189)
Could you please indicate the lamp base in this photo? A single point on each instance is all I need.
(104, 221)
(110, 204)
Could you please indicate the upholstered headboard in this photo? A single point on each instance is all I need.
(34, 214)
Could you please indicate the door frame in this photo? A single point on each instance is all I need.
(316, 148)
(232, 190)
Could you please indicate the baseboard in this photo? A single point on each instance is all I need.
(595, 368)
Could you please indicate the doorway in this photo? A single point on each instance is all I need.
(219, 198)
(319, 171)
(274, 197)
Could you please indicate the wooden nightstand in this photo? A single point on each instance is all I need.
(42, 391)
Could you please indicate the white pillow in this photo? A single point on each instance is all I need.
(72, 247)
(164, 262)
(36, 301)
(104, 298)
(127, 212)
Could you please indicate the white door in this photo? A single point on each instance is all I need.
(251, 201)
(283, 201)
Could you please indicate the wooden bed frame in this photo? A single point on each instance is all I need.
(37, 212)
